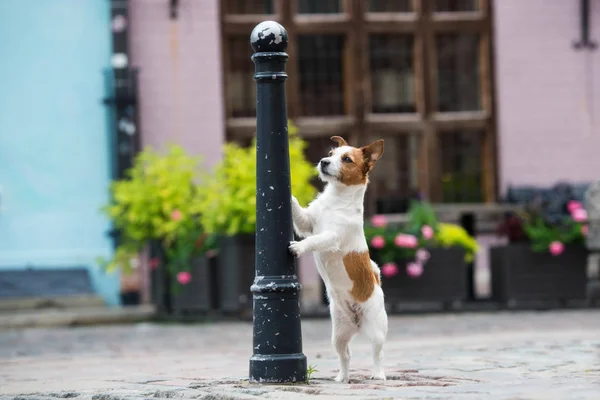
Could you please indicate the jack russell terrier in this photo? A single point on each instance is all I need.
(332, 228)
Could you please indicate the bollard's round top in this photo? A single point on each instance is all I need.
(268, 36)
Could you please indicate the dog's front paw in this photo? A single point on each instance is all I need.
(341, 378)
(296, 248)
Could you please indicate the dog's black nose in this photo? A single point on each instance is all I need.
(325, 163)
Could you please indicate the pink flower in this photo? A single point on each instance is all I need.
(153, 263)
(556, 248)
(176, 215)
(422, 255)
(579, 215)
(414, 269)
(378, 242)
(389, 269)
(404, 240)
(574, 205)
(584, 230)
(427, 232)
(184, 277)
(378, 221)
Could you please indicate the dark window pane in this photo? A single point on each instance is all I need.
(458, 87)
(241, 89)
(317, 148)
(395, 177)
(455, 5)
(250, 7)
(390, 6)
(321, 74)
(392, 74)
(461, 167)
(319, 6)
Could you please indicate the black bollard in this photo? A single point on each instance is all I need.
(277, 355)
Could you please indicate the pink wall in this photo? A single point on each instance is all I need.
(548, 94)
(180, 75)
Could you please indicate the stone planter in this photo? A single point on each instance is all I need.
(521, 276)
(443, 282)
(235, 274)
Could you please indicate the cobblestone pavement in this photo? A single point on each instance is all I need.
(479, 356)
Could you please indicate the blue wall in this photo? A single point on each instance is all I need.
(54, 156)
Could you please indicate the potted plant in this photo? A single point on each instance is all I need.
(230, 203)
(545, 259)
(423, 260)
(159, 205)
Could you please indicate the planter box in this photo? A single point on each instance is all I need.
(195, 298)
(192, 299)
(160, 289)
(520, 275)
(235, 274)
(444, 280)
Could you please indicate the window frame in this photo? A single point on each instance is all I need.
(359, 124)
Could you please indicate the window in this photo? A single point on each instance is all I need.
(392, 73)
(390, 6)
(249, 6)
(458, 86)
(461, 166)
(417, 73)
(396, 176)
(321, 74)
(241, 94)
(319, 6)
(455, 5)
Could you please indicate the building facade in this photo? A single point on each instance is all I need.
(470, 95)
(54, 138)
(548, 93)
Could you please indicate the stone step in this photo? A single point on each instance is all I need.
(78, 316)
(14, 304)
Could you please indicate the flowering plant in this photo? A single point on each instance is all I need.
(159, 200)
(230, 191)
(548, 218)
(550, 231)
(390, 243)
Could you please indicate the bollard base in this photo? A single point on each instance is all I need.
(278, 368)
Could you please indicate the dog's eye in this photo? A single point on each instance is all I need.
(330, 153)
(346, 159)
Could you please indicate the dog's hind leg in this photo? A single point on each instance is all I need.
(342, 332)
(374, 327)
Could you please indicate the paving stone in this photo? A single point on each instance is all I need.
(523, 355)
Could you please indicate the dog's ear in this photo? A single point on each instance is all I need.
(339, 140)
(373, 152)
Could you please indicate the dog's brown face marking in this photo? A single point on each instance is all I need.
(359, 269)
(358, 162)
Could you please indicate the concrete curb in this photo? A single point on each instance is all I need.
(75, 317)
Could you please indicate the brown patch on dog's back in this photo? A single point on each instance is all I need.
(359, 269)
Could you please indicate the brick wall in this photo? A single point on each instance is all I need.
(548, 93)
(180, 74)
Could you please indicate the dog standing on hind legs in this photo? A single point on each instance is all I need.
(332, 228)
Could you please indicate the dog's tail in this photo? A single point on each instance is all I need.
(376, 272)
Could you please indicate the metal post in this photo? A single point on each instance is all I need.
(277, 355)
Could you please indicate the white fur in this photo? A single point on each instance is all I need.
(332, 226)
